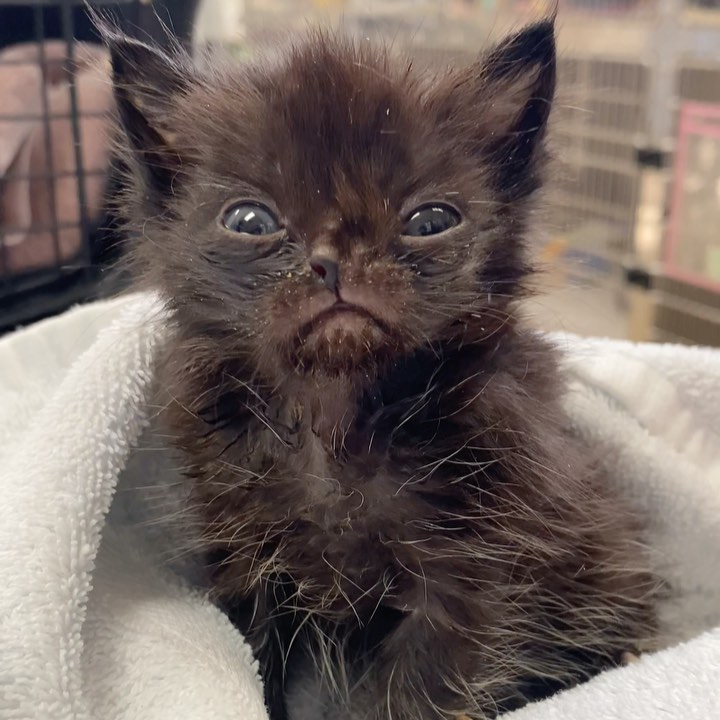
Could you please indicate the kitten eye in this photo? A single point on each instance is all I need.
(431, 220)
(251, 219)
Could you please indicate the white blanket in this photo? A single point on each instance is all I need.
(94, 625)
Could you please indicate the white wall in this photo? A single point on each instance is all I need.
(219, 20)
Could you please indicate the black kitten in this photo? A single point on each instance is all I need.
(396, 512)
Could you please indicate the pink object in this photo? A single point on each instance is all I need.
(696, 120)
(39, 186)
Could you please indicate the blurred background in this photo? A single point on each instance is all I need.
(630, 245)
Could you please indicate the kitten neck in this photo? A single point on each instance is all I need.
(326, 408)
(344, 412)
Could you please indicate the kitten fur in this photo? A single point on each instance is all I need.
(393, 507)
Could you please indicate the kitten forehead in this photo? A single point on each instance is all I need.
(343, 108)
(346, 124)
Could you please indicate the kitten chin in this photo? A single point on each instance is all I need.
(395, 511)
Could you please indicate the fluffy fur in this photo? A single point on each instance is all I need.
(388, 496)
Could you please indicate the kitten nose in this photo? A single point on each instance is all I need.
(326, 270)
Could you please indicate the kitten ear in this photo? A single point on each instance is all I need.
(146, 81)
(501, 105)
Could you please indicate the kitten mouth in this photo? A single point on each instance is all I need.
(343, 314)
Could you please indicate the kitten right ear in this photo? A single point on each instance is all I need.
(146, 81)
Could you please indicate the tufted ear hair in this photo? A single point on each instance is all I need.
(499, 106)
(146, 83)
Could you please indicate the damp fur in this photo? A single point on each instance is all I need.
(395, 512)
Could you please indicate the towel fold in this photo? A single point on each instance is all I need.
(97, 623)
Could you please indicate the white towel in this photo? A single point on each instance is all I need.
(95, 626)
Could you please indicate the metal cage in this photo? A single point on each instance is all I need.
(55, 234)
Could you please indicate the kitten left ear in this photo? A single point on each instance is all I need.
(146, 81)
(499, 107)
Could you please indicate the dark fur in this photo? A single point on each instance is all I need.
(398, 502)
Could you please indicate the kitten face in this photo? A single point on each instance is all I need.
(335, 210)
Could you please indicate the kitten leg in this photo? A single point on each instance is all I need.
(425, 671)
(269, 655)
(267, 638)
